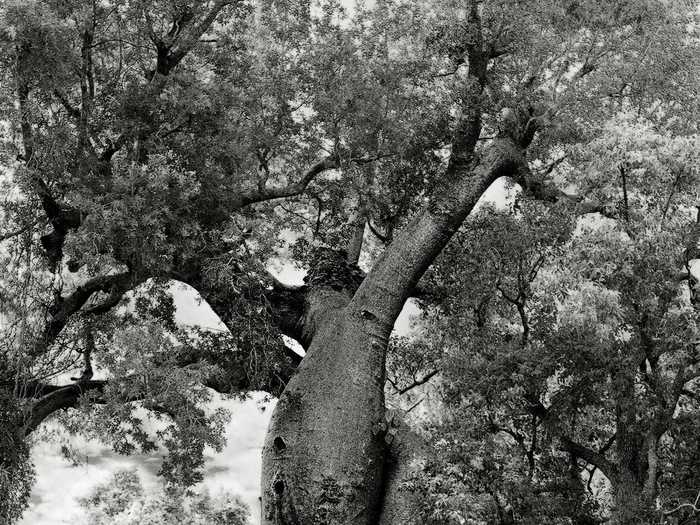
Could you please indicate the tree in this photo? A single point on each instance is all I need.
(183, 149)
(582, 342)
(122, 500)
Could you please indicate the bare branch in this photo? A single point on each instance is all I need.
(417, 382)
(692, 506)
(291, 190)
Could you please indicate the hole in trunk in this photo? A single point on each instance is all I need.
(278, 487)
(280, 445)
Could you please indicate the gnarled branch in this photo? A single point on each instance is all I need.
(262, 194)
(64, 307)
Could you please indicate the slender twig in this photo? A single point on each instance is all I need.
(693, 506)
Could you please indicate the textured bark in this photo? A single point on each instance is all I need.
(56, 398)
(325, 453)
(631, 506)
(355, 245)
(406, 457)
(396, 273)
(315, 472)
(635, 484)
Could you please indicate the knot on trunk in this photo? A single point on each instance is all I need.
(330, 269)
(521, 124)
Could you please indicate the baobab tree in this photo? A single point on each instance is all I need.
(152, 142)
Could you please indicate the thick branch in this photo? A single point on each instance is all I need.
(589, 455)
(65, 307)
(59, 398)
(53, 398)
(394, 276)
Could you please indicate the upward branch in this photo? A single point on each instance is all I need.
(394, 276)
(64, 308)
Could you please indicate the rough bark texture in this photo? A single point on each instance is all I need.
(631, 505)
(325, 453)
(396, 273)
(406, 457)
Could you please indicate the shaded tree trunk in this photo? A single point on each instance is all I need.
(316, 472)
(632, 496)
(635, 484)
(325, 455)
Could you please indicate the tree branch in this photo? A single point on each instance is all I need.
(182, 38)
(87, 82)
(265, 194)
(692, 506)
(395, 275)
(417, 382)
(589, 455)
(70, 109)
(59, 398)
(15, 233)
(65, 307)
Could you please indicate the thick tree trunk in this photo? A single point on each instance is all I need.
(635, 484)
(325, 454)
(631, 507)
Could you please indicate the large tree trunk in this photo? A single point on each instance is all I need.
(631, 507)
(633, 501)
(325, 454)
(635, 483)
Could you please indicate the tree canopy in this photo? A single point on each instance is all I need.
(148, 144)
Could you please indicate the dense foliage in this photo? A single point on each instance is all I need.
(123, 501)
(151, 144)
(577, 335)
